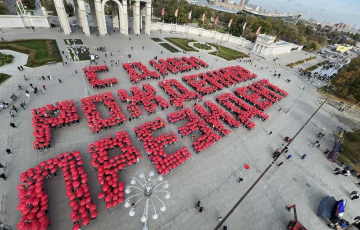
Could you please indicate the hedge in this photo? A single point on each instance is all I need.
(300, 62)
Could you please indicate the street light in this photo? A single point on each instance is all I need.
(147, 191)
(217, 53)
(76, 52)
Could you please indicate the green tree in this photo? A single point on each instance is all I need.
(69, 8)
(3, 9)
(312, 46)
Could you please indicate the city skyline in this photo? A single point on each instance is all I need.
(332, 11)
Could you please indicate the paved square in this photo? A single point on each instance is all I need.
(210, 176)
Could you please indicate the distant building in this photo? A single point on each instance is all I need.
(241, 3)
(324, 24)
(228, 6)
(266, 47)
(286, 17)
(246, 2)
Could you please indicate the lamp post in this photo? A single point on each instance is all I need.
(217, 52)
(296, 101)
(76, 52)
(147, 192)
(25, 12)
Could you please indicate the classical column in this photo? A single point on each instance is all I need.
(100, 16)
(136, 14)
(93, 13)
(76, 9)
(148, 18)
(115, 14)
(83, 17)
(60, 10)
(124, 19)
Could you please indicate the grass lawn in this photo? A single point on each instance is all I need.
(3, 77)
(182, 43)
(351, 153)
(5, 59)
(227, 53)
(40, 51)
(169, 47)
(331, 93)
(156, 39)
(39, 46)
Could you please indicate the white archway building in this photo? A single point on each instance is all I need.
(120, 15)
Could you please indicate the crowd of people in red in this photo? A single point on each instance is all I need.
(210, 82)
(143, 97)
(108, 169)
(253, 98)
(154, 146)
(208, 137)
(34, 201)
(175, 65)
(95, 122)
(51, 116)
(243, 111)
(177, 100)
(135, 77)
(91, 73)
(159, 67)
(213, 117)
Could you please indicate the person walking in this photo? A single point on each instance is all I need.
(75, 71)
(13, 125)
(12, 114)
(318, 145)
(59, 80)
(2, 167)
(3, 176)
(281, 163)
(44, 87)
(201, 209)
(289, 156)
(197, 205)
(286, 149)
(354, 195)
(303, 156)
(22, 104)
(43, 78)
(50, 78)
(270, 133)
(13, 107)
(315, 143)
(8, 151)
(240, 179)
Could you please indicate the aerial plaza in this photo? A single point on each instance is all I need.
(119, 132)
